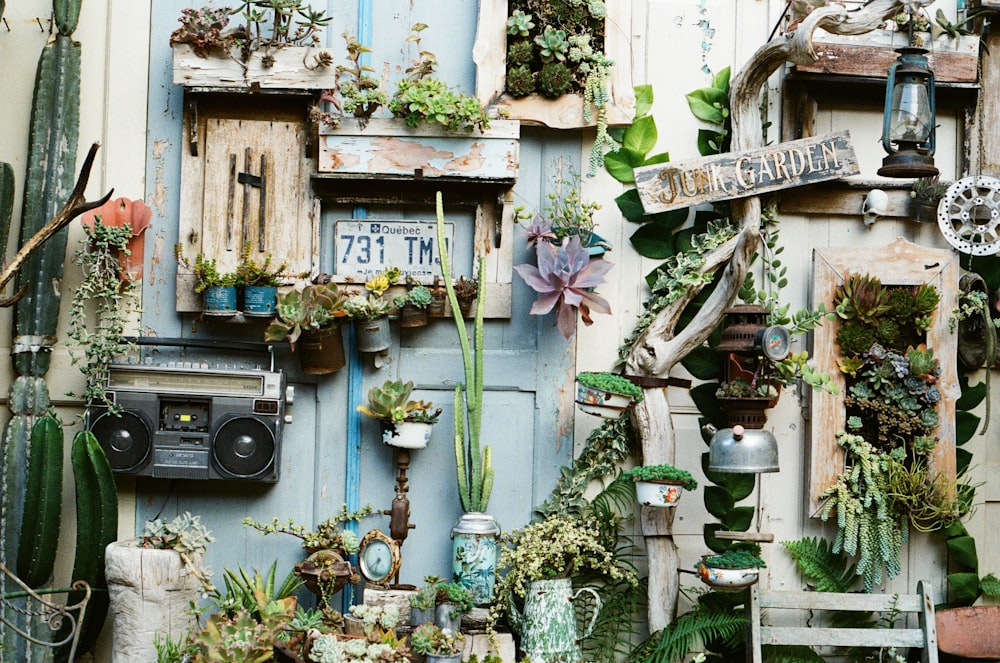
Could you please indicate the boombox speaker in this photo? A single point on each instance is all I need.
(161, 434)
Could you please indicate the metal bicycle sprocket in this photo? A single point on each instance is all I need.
(969, 215)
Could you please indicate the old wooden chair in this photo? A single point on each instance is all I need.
(61, 621)
(921, 603)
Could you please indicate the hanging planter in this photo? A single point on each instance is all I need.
(732, 571)
(660, 485)
(605, 394)
(219, 301)
(407, 434)
(405, 423)
(259, 301)
(372, 335)
(321, 351)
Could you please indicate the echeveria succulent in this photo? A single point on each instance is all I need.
(563, 279)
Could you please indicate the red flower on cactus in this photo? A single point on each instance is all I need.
(563, 279)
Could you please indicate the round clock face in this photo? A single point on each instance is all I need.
(378, 557)
(773, 342)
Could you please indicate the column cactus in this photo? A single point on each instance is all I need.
(475, 471)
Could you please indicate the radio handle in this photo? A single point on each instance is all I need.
(204, 343)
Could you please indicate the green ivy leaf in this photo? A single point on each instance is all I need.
(971, 395)
(703, 104)
(990, 585)
(703, 363)
(673, 219)
(739, 519)
(618, 166)
(962, 551)
(653, 241)
(714, 543)
(643, 99)
(964, 587)
(630, 205)
(739, 485)
(709, 142)
(718, 501)
(641, 136)
(704, 399)
(962, 460)
(721, 80)
(662, 157)
(955, 529)
(966, 424)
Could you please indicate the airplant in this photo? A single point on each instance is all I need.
(563, 279)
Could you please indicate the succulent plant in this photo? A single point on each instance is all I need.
(854, 338)
(520, 81)
(430, 638)
(361, 307)
(662, 472)
(315, 307)
(555, 79)
(736, 558)
(519, 23)
(520, 53)
(203, 29)
(552, 44)
(391, 403)
(239, 639)
(862, 297)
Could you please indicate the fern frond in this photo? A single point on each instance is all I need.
(609, 641)
(618, 495)
(686, 632)
(828, 571)
(790, 654)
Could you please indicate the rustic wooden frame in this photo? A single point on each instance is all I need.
(898, 263)
(565, 112)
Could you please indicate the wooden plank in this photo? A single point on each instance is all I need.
(952, 60)
(676, 185)
(389, 147)
(837, 601)
(841, 637)
(294, 68)
(762, 537)
(836, 198)
(899, 263)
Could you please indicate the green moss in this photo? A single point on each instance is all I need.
(615, 384)
(662, 473)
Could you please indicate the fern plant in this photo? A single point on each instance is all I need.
(702, 625)
(826, 570)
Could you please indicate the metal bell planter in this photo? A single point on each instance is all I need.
(743, 451)
(474, 554)
(548, 625)
(372, 335)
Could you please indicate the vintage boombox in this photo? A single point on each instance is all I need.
(192, 423)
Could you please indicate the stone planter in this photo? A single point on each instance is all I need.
(151, 592)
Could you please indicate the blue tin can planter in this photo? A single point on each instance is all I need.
(219, 300)
(259, 301)
(474, 554)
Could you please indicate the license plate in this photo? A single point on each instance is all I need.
(365, 248)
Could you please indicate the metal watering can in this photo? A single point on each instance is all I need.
(548, 624)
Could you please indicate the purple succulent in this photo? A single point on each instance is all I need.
(564, 276)
(539, 230)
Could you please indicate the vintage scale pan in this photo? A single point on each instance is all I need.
(969, 215)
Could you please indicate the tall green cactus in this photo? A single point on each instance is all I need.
(473, 462)
(49, 181)
(6, 192)
(36, 555)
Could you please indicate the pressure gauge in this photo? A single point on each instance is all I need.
(773, 343)
(378, 557)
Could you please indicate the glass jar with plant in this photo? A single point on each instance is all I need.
(436, 643)
(422, 98)
(660, 485)
(406, 423)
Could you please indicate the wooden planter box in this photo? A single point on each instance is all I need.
(870, 54)
(295, 67)
(565, 112)
(387, 148)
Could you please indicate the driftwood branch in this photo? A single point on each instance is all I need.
(658, 349)
(74, 207)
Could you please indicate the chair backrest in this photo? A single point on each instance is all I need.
(921, 603)
(21, 608)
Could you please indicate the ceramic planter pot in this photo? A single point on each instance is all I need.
(600, 402)
(407, 435)
(372, 335)
(656, 492)
(548, 625)
(727, 580)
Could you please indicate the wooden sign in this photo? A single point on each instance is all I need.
(675, 185)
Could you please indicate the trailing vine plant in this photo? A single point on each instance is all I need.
(105, 296)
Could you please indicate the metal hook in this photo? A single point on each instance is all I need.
(6, 25)
(39, 22)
